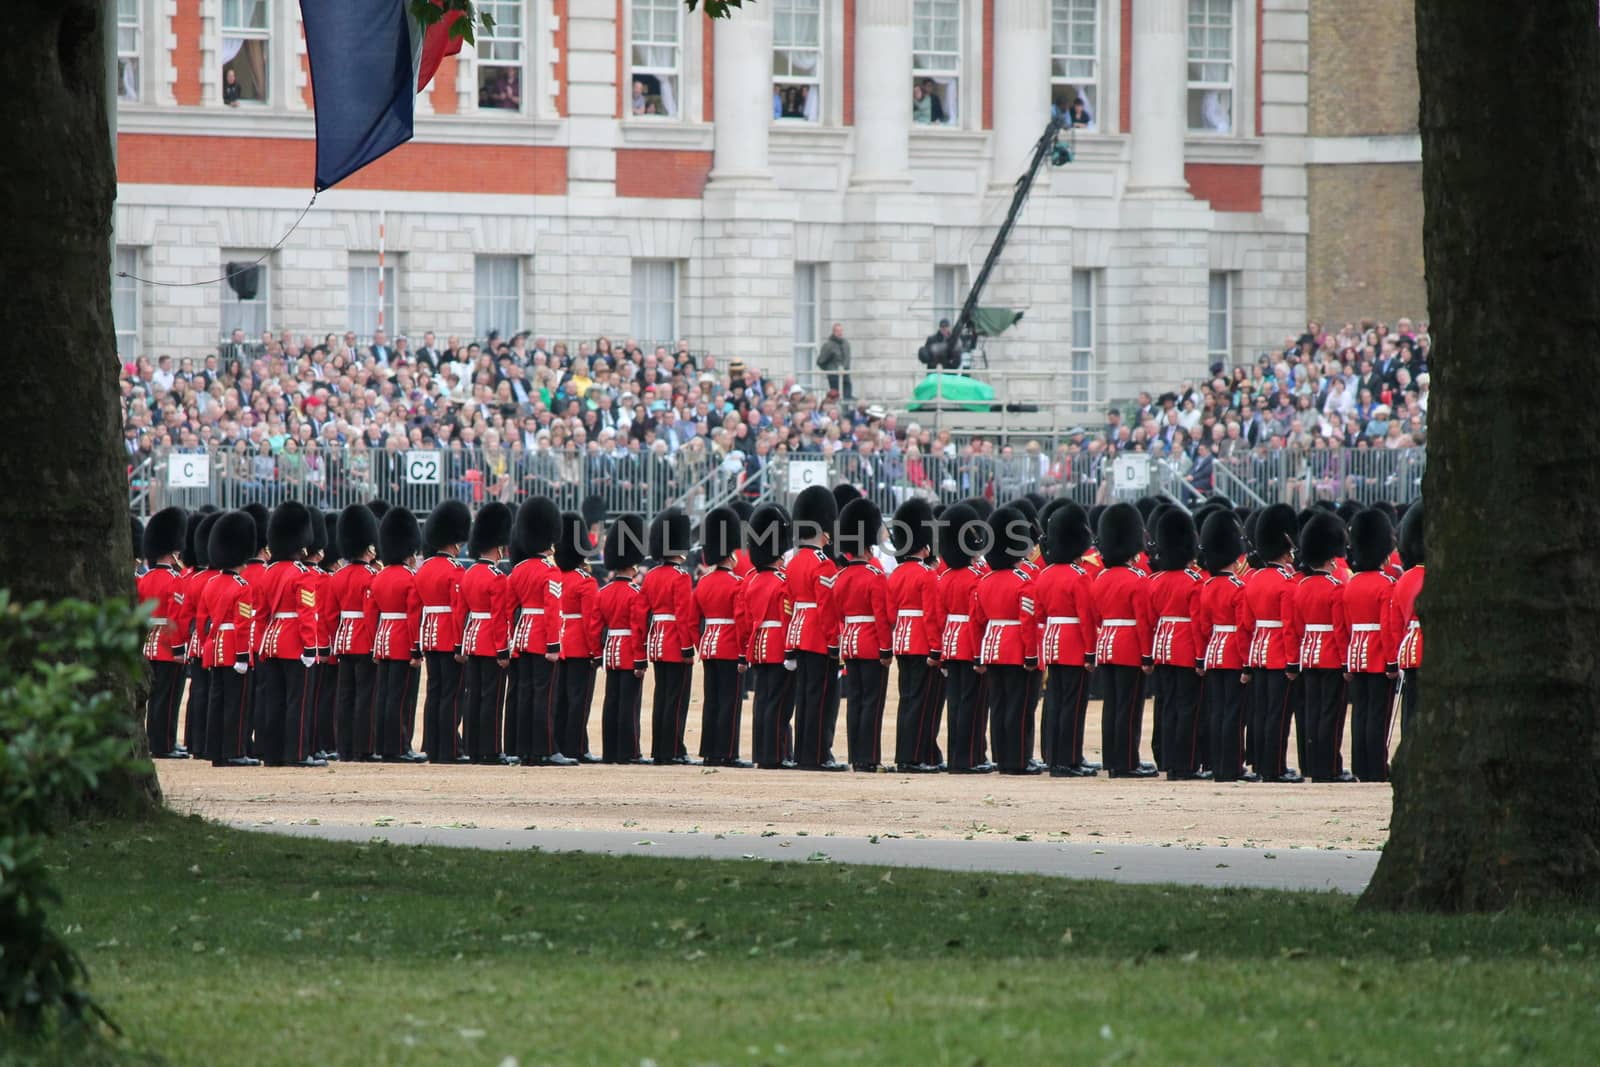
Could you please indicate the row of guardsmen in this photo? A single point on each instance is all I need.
(302, 636)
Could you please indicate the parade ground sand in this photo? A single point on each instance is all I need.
(754, 802)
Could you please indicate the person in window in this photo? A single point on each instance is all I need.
(1078, 115)
(638, 98)
(921, 104)
(230, 88)
(794, 101)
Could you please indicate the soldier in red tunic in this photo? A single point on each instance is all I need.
(1318, 620)
(348, 593)
(918, 624)
(223, 621)
(767, 591)
(1408, 658)
(444, 532)
(253, 572)
(163, 587)
(966, 698)
(582, 634)
(1219, 635)
(866, 632)
(1273, 659)
(536, 639)
(719, 599)
(812, 641)
(283, 602)
(1125, 626)
(485, 597)
(1064, 613)
(198, 576)
(1003, 615)
(323, 558)
(1175, 590)
(625, 620)
(1374, 644)
(394, 611)
(668, 590)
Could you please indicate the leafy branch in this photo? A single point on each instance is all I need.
(717, 9)
(465, 18)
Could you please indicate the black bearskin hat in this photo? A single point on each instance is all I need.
(843, 493)
(593, 509)
(719, 535)
(912, 530)
(1050, 507)
(1010, 537)
(770, 534)
(574, 546)
(1146, 506)
(1067, 537)
(258, 514)
(192, 550)
(164, 534)
(490, 530)
(669, 533)
(981, 506)
(1322, 540)
(538, 525)
(1031, 513)
(289, 531)
(1371, 540)
(379, 508)
(450, 523)
(202, 540)
(319, 532)
(1175, 540)
(1325, 505)
(136, 532)
(860, 521)
(1037, 499)
(1390, 512)
(232, 540)
(1412, 551)
(815, 510)
(358, 531)
(1095, 511)
(1121, 534)
(1303, 516)
(742, 508)
(1276, 527)
(624, 543)
(399, 536)
(1347, 510)
(330, 523)
(961, 539)
(1221, 542)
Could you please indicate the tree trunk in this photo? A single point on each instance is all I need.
(1497, 794)
(63, 482)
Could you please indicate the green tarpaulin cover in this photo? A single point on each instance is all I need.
(952, 390)
(992, 322)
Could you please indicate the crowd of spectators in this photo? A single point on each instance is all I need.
(326, 419)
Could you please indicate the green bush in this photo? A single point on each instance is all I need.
(65, 670)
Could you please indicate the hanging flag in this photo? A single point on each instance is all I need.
(368, 59)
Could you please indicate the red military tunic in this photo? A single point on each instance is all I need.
(1175, 600)
(443, 613)
(162, 586)
(958, 640)
(187, 622)
(674, 629)
(814, 624)
(914, 603)
(1220, 622)
(347, 593)
(486, 596)
(724, 616)
(582, 629)
(1374, 635)
(286, 606)
(861, 600)
(254, 573)
(536, 594)
(1122, 613)
(1403, 611)
(394, 610)
(224, 617)
(1003, 613)
(1318, 621)
(767, 602)
(1393, 567)
(742, 565)
(626, 621)
(1269, 601)
(1064, 613)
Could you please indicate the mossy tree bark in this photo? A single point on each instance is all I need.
(63, 482)
(1497, 794)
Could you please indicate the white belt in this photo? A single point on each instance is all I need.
(769, 623)
(722, 622)
(1414, 624)
(1004, 622)
(1365, 627)
(476, 616)
(1062, 620)
(1119, 622)
(391, 616)
(850, 620)
(1269, 624)
(435, 609)
(955, 618)
(350, 614)
(225, 626)
(801, 605)
(157, 620)
(285, 615)
(618, 633)
(663, 618)
(566, 615)
(525, 612)
(1172, 618)
(1318, 628)
(1224, 629)
(909, 613)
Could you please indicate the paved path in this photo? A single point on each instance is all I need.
(1303, 869)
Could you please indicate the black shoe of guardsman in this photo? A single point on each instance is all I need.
(1144, 770)
(507, 761)
(241, 761)
(555, 759)
(685, 761)
(640, 761)
(310, 761)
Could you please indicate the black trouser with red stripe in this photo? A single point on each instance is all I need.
(773, 711)
(356, 690)
(324, 730)
(1010, 715)
(719, 709)
(481, 698)
(533, 705)
(916, 735)
(668, 709)
(619, 717)
(1410, 698)
(1371, 712)
(1182, 692)
(226, 717)
(866, 690)
(1121, 716)
(816, 689)
(1270, 717)
(1156, 689)
(1225, 703)
(1323, 704)
(572, 707)
(1066, 694)
(161, 712)
(441, 708)
(393, 703)
(284, 696)
(194, 716)
(966, 714)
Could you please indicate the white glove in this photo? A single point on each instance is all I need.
(307, 661)
(791, 665)
(241, 668)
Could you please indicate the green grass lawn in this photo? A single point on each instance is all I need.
(213, 946)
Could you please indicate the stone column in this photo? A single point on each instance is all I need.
(882, 95)
(1160, 63)
(743, 97)
(1021, 83)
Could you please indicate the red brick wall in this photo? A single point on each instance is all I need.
(849, 62)
(169, 159)
(560, 70)
(708, 70)
(186, 52)
(662, 173)
(1229, 186)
